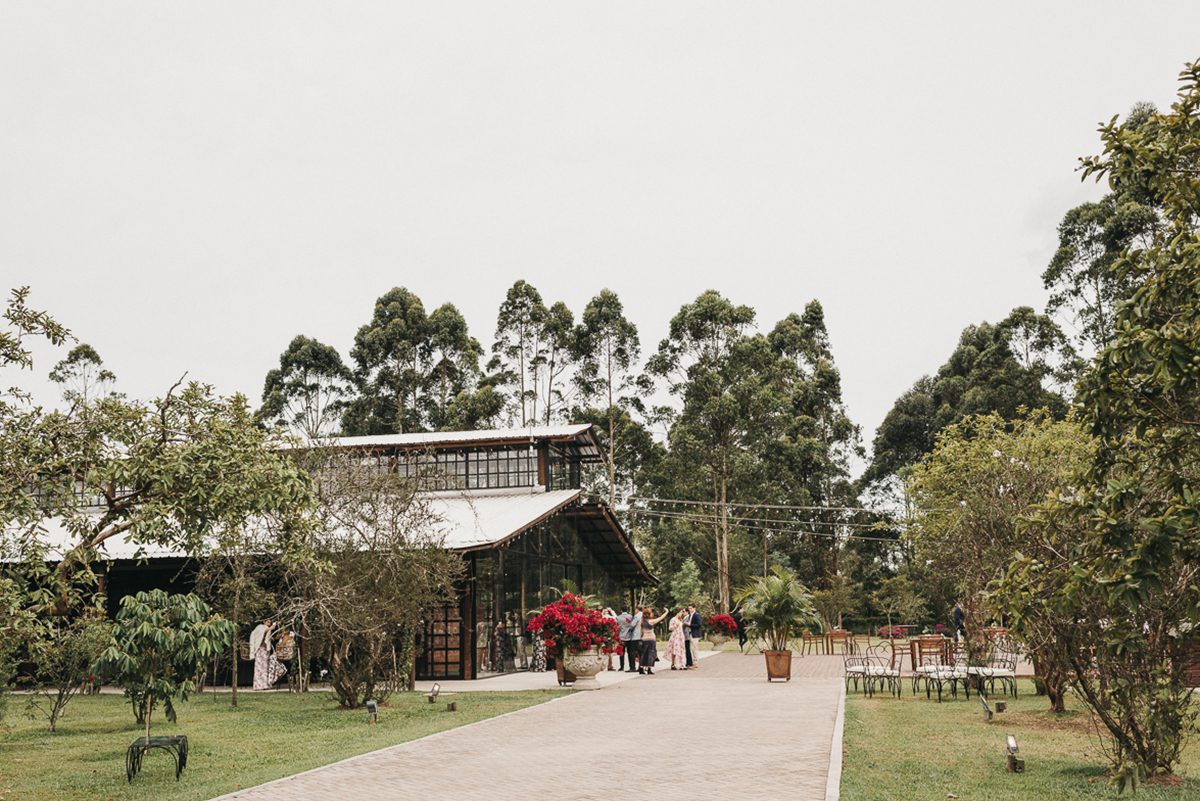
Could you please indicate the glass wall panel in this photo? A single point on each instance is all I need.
(492, 468)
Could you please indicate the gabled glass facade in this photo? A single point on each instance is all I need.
(484, 634)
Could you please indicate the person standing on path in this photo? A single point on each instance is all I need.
(677, 650)
(695, 631)
(650, 639)
(609, 614)
(267, 669)
(690, 647)
(631, 638)
(736, 614)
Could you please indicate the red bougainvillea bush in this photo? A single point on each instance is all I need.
(569, 623)
(721, 624)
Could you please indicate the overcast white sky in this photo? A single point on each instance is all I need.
(188, 186)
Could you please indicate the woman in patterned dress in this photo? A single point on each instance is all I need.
(538, 663)
(676, 647)
(267, 669)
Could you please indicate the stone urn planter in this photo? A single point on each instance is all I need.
(718, 641)
(779, 665)
(585, 665)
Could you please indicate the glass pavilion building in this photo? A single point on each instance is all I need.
(511, 503)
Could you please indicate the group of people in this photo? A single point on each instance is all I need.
(639, 642)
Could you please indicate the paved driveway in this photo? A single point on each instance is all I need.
(720, 731)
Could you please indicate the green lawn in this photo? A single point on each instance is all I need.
(267, 736)
(921, 750)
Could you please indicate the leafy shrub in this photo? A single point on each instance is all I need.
(160, 643)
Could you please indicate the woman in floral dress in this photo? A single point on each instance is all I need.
(676, 647)
(267, 669)
(538, 664)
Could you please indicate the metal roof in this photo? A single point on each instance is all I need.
(477, 519)
(428, 439)
(57, 540)
(463, 520)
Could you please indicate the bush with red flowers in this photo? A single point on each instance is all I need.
(891, 632)
(570, 624)
(721, 624)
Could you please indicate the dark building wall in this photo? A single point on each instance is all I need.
(127, 577)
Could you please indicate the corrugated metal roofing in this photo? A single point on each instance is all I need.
(473, 520)
(431, 438)
(465, 520)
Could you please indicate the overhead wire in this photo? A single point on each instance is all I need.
(771, 529)
(681, 502)
(715, 517)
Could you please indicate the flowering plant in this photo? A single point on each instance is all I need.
(721, 624)
(569, 624)
(891, 632)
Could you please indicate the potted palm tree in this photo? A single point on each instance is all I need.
(774, 608)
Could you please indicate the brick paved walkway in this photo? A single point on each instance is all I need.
(720, 731)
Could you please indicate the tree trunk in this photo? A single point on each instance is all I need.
(302, 654)
(149, 710)
(612, 428)
(1053, 681)
(233, 680)
(723, 546)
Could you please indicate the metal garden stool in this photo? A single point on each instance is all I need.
(175, 745)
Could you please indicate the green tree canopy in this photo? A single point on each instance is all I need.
(309, 390)
(519, 352)
(412, 368)
(388, 353)
(1015, 364)
(609, 349)
(1081, 277)
(986, 476)
(1136, 561)
(759, 420)
(82, 373)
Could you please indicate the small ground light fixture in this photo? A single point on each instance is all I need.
(372, 711)
(433, 694)
(1015, 763)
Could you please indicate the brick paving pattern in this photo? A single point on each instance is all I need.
(720, 731)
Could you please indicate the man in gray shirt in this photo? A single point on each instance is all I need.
(630, 632)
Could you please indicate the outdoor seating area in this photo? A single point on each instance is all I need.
(937, 665)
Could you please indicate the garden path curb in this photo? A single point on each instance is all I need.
(833, 780)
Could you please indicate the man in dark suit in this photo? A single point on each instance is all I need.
(695, 630)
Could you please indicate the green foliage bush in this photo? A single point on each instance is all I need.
(160, 643)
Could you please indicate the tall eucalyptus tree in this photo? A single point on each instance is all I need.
(388, 353)
(609, 349)
(309, 390)
(519, 350)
